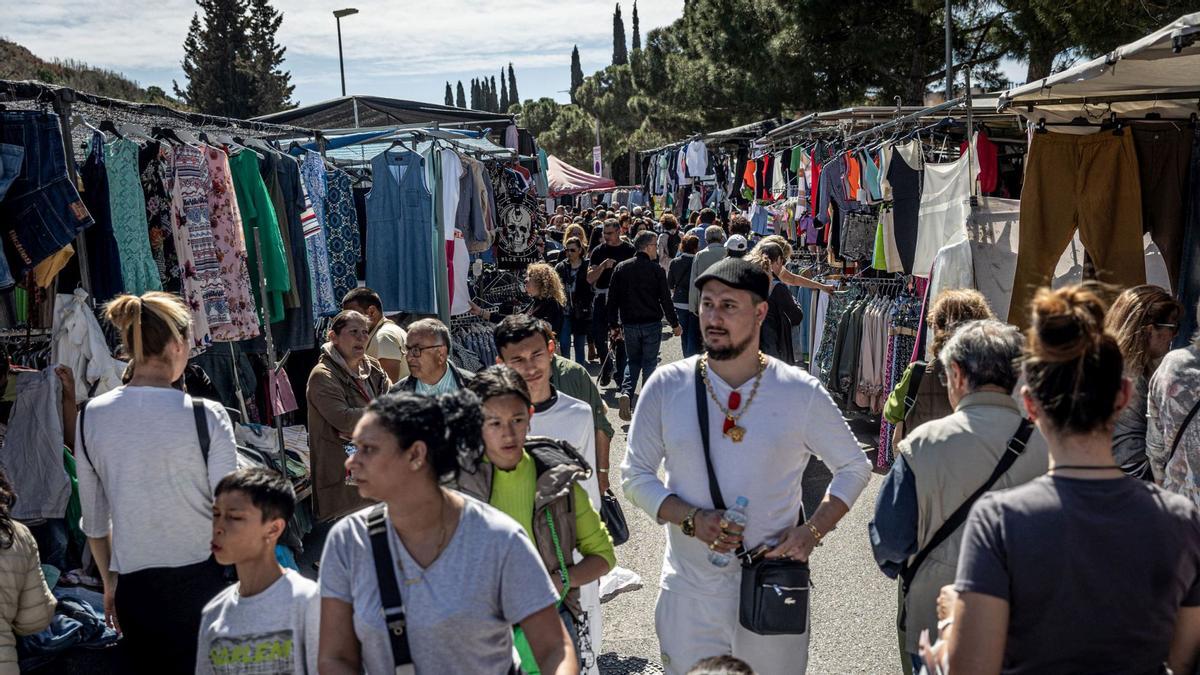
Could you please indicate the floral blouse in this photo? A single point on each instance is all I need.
(230, 247)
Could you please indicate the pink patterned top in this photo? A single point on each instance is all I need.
(230, 244)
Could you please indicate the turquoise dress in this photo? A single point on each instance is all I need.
(127, 205)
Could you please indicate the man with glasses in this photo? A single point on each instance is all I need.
(429, 361)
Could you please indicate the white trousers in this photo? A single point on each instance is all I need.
(691, 629)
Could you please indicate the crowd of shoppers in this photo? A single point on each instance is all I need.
(1041, 514)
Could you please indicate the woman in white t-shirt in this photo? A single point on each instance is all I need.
(148, 458)
(466, 573)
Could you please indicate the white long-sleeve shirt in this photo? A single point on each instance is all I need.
(790, 419)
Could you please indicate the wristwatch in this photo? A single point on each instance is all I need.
(689, 523)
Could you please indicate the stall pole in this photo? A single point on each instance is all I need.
(266, 313)
(950, 54)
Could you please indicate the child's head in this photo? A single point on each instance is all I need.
(251, 509)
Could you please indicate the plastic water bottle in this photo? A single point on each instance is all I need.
(734, 516)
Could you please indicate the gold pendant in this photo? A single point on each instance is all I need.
(736, 433)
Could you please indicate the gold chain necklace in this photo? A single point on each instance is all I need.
(731, 429)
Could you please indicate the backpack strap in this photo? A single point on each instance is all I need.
(1016, 446)
(389, 590)
(201, 417)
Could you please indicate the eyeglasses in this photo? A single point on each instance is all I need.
(1173, 327)
(572, 250)
(417, 351)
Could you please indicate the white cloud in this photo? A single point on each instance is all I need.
(388, 38)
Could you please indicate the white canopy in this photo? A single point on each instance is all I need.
(1161, 71)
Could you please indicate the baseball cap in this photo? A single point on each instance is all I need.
(736, 243)
(739, 274)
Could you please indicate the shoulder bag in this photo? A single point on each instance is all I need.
(1016, 446)
(1179, 434)
(774, 593)
(198, 413)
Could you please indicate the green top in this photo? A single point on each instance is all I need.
(573, 380)
(254, 203)
(513, 493)
(893, 410)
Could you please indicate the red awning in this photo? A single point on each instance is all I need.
(565, 179)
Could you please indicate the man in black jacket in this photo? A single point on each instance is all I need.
(638, 299)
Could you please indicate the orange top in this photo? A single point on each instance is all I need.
(853, 177)
(748, 175)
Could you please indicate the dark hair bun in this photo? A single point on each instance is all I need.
(1067, 324)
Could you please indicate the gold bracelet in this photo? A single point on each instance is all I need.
(815, 532)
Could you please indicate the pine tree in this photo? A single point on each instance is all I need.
(493, 96)
(576, 72)
(460, 98)
(449, 94)
(620, 51)
(637, 35)
(513, 97)
(272, 86)
(214, 52)
(504, 101)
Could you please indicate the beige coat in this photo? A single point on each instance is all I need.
(335, 404)
(950, 458)
(26, 605)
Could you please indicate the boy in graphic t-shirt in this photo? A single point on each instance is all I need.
(268, 621)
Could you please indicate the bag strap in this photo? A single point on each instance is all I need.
(82, 436)
(389, 590)
(1016, 446)
(1179, 434)
(201, 417)
(713, 486)
(914, 386)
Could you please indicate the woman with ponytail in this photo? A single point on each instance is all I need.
(1085, 569)
(149, 457)
(465, 572)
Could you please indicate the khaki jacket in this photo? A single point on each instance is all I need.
(950, 458)
(26, 605)
(559, 468)
(335, 404)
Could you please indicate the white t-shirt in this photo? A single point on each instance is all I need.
(143, 475)
(452, 172)
(276, 631)
(789, 420)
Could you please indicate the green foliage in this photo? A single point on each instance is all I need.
(18, 63)
(563, 130)
(232, 62)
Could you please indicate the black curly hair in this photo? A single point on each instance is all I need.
(450, 425)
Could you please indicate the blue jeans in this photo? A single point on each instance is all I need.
(569, 336)
(642, 341)
(691, 332)
(42, 211)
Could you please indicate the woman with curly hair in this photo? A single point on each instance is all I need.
(544, 286)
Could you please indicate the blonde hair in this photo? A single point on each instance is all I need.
(548, 283)
(781, 242)
(952, 309)
(148, 323)
(1135, 310)
(575, 230)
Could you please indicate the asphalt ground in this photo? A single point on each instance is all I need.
(853, 604)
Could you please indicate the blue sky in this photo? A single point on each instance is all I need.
(396, 48)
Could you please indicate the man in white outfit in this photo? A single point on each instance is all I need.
(527, 346)
(766, 419)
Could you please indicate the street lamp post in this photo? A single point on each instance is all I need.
(338, 14)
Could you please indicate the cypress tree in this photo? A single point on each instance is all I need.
(513, 97)
(504, 102)
(449, 95)
(460, 98)
(576, 72)
(475, 95)
(620, 51)
(493, 96)
(637, 35)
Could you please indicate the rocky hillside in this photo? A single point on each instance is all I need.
(18, 63)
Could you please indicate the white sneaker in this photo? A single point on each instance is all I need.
(626, 411)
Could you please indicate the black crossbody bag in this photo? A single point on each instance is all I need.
(774, 594)
(1014, 449)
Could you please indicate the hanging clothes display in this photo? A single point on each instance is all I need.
(400, 231)
(103, 254)
(188, 182)
(344, 235)
(945, 206)
(254, 204)
(142, 266)
(230, 242)
(153, 162)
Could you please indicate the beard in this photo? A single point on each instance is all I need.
(728, 353)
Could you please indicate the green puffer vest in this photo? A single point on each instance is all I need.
(559, 467)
